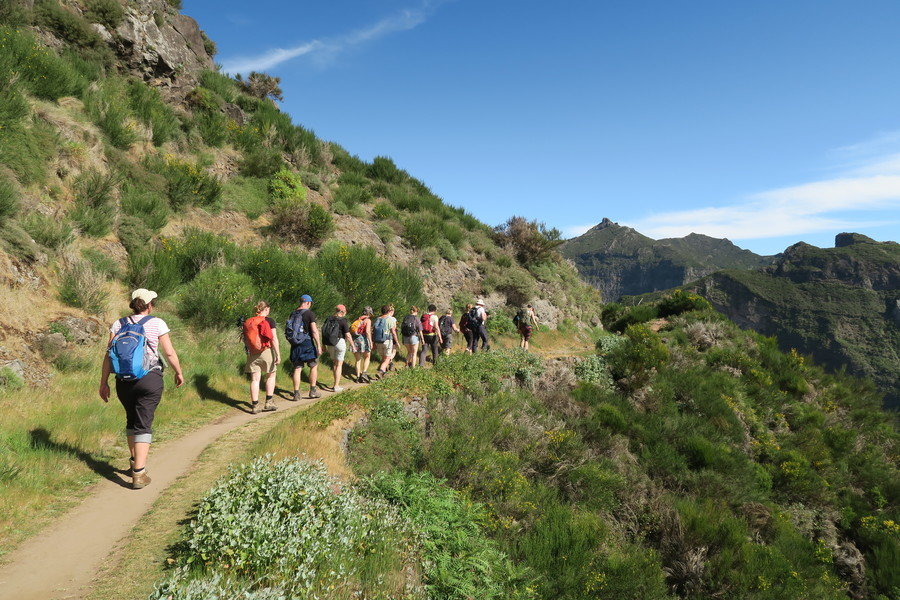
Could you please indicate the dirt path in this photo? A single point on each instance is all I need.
(61, 561)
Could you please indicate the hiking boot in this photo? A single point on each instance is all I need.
(270, 406)
(337, 389)
(314, 392)
(139, 480)
(296, 397)
(254, 408)
(365, 378)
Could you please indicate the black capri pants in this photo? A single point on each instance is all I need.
(140, 399)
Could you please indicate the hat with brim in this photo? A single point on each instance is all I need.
(479, 302)
(146, 295)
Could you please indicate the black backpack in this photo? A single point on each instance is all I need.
(408, 327)
(446, 325)
(331, 331)
(475, 320)
(520, 318)
(295, 330)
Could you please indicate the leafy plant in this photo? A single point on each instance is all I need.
(147, 105)
(218, 296)
(532, 242)
(107, 12)
(145, 204)
(9, 199)
(52, 232)
(94, 208)
(83, 286)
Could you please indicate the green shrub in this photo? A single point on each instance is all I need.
(384, 169)
(188, 184)
(212, 128)
(447, 250)
(636, 360)
(15, 14)
(147, 205)
(460, 561)
(383, 210)
(248, 195)
(94, 207)
(204, 99)
(261, 162)
(107, 12)
(681, 301)
(283, 523)
(286, 185)
(133, 233)
(296, 220)
(312, 181)
(387, 441)
(346, 162)
(208, 45)
(217, 297)
(155, 268)
(27, 150)
(107, 106)
(83, 286)
(380, 189)
(593, 370)
(9, 199)
(420, 231)
(52, 232)
(69, 26)
(102, 262)
(353, 178)
(149, 108)
(13, 106)
(385, 233)
(351, 195)
(176, 4)
(220, 83)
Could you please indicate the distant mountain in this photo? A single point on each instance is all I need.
(620, 261)
(841, 305)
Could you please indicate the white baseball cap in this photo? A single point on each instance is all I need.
(144, 294)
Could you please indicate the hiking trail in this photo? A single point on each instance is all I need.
(61, 561)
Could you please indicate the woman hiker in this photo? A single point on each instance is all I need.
(362, 340)
(133, 354)
(263, 355)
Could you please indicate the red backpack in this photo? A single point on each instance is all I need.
(257, 334)
(427, 324)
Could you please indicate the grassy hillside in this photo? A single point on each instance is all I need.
(620, 261)
(698, 461)
(197, 185)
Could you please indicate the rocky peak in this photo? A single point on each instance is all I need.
(842, 240)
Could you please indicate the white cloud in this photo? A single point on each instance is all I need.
(834, 204)
(323, 50)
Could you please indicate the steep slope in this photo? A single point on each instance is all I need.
(620, 261)
(839, 305)
(127, 160)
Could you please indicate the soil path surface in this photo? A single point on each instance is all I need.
(61, 561)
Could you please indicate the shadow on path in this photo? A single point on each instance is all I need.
(207, 392)
(40, 439)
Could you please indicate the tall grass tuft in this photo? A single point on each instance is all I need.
(66, 24)
(107, 12)
(94, 207)
(41, 71)
(217, 297)
(27, 149)
(9, 199)
(83, 286)
(145, 204)
(220, 83)
(148, 107)
(107, 106)
(52, 232)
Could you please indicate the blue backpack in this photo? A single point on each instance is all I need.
(127, 350)
(380, 333)
(295, 330)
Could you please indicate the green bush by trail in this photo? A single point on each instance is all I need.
(94, 206)
(9, 199)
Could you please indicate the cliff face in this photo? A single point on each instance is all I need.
(840, 305)
(620, 261)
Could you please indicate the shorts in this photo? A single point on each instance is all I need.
(362, 344)
(338, 351)
(385, 349)
(264, 362)
(447, 342)
(411, 340)
(304, 355)
(140, 399)
(526, 332)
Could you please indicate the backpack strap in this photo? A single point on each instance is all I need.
(144, 320)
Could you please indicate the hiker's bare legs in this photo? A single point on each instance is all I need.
(338, 366)
(313, 375)
(358, 363)
(270, 383)
(298, 378)
(254, 386)
(366, 360)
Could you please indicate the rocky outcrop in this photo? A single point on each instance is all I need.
(163, 46)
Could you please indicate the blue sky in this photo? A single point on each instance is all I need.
(766, 122)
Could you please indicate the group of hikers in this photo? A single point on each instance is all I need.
(137, 342)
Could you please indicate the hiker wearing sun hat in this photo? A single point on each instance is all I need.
(477, 320)
(133, 354)
(302, 333)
